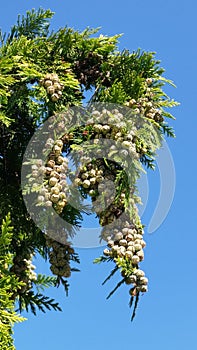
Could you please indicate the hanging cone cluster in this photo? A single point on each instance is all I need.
(24, 270)
(107, 170)
(125, 242)
(53, 86)
(60, 256)
(104, 178)
(56, 190)
(145, 105)
(88, 70)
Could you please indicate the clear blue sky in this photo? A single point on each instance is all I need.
(166, 317)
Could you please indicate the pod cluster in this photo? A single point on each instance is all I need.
(24, 270)
(53, 86)
(53, 173)
(125, 243)
(145, 105)
(59, 257)
(113, 137)
(56, 190)
(97, 180)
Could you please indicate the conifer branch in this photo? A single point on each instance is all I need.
(35, 23)
(30, 301)
(117, 286)
(116, 268)
(135, 306)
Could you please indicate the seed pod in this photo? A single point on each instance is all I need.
(106, 232)
(137, 241)
(120, 253)
(54, 77)
(135, 259)
(70, 250)
(129, 254)
(57, 148)
(66, 273)
(59, 186)
(54, 198)
(133, 291)
(149, 81)
(47, 83)
(43, 191)
(85, 176)
(59, 93)
(140, 253)
(129, 238)
(131, 244)
(137, 247)
(54, 97)
(125, 230)
(130, 279)
(110, 243)
(118, 236)
(34, 167)
(50, 90)
(98, 127)
(47, 196)
(131, 231)
(41, 199)
(53, 181)
(42, 82)
(86, 183)
(41, 170)
(55, 190)
(77, 182)
(54, 270)
(99, 178)
(92, 193)
(62, 195)
(48, 76)
(144, 280)
(143, 289)
(59, 160)
(92, 172)
(123, 242)
(139, 273)
(122, 248)
(59, 143)
(48, 170)
(106, 252)
(57, 86)
(115, 248)
(93, 180)
(106, 128)
(34, 173)
(51, 163)
(126, 144)
(55, 174)
(57, 168)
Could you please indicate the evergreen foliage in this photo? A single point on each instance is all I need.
(8, 285)
(43, 73)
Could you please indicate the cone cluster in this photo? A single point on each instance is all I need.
(145, 105)
(125, 242)
(59, 257)
(53, 86)
(24, 270)
(113, 203)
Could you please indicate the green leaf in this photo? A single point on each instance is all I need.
(31, 301)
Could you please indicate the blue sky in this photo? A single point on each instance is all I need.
(166, 317)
